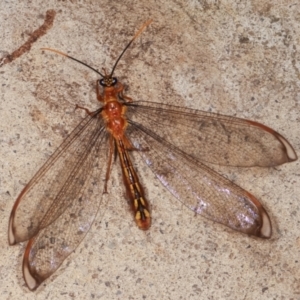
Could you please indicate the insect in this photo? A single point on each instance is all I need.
(57, 207)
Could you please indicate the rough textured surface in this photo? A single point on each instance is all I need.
(233, 58)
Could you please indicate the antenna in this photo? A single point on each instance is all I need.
(118, 59)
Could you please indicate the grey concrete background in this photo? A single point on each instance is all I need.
(235, 58)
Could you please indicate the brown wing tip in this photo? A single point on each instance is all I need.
(288, 148)
(32, 279)
(264, 226)
(290, 152)
(11, 235)
(265, 231)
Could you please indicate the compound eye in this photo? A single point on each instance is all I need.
(114, 81)
(102, 82)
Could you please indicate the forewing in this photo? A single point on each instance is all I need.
(214, 138)
(54, 186)
(199, 187)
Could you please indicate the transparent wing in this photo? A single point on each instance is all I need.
(212, 137)
(197, 186)
(57, 207)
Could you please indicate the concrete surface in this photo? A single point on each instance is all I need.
(235, 58)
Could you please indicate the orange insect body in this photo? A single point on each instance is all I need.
(113, 112)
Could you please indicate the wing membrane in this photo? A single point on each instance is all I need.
(48, 249)
(214, 138)
(198, 187)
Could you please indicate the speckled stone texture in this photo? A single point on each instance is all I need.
(237, 58)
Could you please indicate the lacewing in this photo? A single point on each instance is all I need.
(57, 207)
